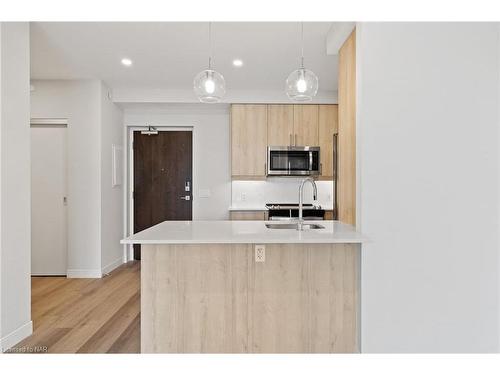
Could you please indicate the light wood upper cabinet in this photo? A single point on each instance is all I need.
(256, 126)
(305, 125)
(248, 139)
(280, 125)
(328, 126)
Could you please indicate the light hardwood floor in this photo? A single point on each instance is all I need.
(87, 315)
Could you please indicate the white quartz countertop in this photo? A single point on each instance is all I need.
(200, 232)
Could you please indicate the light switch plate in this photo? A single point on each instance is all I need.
(260, 253)
(204, 193)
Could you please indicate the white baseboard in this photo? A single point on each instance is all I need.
(84, 274)
(114, 264)
(15, 337)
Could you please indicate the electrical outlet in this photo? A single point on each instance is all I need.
(243, 197)
(260, 253)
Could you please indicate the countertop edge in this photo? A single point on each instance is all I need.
(201, 242)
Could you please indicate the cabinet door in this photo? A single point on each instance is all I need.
(305, 125)
(328, 215)
(248, 139)
(279, 125)
(248, 215)
(328, 123)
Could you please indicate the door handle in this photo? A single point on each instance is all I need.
(186, 197)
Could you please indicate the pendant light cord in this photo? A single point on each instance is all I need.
(302, 46)
(209, 45)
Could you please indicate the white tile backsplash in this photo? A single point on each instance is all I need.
(255, 194)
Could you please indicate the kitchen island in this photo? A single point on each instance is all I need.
(207, 287)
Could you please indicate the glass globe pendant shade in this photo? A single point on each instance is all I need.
(302, 85)
(209, 86)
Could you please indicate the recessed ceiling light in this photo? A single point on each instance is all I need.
(126, 62)
(237, 62)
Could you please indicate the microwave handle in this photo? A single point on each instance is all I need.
(310, 160)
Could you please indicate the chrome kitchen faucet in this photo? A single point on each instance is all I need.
(301, 198)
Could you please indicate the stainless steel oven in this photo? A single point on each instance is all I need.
(293, 161)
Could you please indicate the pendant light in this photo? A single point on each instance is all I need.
(209, 85)
(302, 84)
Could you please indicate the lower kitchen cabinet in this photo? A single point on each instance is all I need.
(215, 298)
(248, 215)
(328, 215)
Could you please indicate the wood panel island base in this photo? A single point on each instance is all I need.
(203, 290)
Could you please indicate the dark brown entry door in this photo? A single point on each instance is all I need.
(162, 179)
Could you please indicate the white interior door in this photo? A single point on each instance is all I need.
(48, 200)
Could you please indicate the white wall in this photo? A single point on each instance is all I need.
(95, 208)
(210, 146)
(111, 197)
(1, 27)
(428, 167)
(15, 220)
(79, 102)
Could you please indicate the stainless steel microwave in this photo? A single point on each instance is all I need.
(293, 161)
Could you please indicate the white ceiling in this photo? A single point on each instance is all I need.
(168, 55)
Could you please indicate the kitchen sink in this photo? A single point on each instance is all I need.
(293, 226)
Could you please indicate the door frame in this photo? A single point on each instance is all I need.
(58, 123)
(128, 251)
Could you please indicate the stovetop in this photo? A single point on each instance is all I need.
(291, 206)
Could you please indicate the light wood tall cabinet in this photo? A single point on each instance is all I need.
(328, 127)
(248, 140)
(346, 186)
(305, 125)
